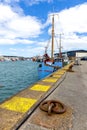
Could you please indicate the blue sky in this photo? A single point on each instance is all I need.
(25, 26)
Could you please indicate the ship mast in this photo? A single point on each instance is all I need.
(60, 55)
(52, 37)
(60, 47)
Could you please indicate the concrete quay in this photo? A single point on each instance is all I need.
(72, 91)
(19, 107)
(22, 112)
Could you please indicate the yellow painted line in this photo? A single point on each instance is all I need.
(63, 70)
(18, 104)
(60, 72)
(39, 87)
(50, 80)
(66, 68)
(56, 76)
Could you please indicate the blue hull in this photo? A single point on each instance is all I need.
(44, 70)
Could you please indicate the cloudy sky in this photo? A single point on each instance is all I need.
(25, 26)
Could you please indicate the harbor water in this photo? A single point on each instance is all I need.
(16, 76)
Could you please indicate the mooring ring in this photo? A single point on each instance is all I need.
(53, 106)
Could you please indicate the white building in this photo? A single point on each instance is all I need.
(81, 54)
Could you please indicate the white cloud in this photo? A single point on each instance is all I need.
(29, 51)
(9, 1)
(25, 26)
(28, 2)
(33, 51)
(12, 49)
(32, 2)
(74, 19)
(14, 26)
(72, 23)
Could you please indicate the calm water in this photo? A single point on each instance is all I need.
(15, 76)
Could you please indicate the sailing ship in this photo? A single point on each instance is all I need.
(50, 64)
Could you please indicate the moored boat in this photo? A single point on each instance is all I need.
(50, 64)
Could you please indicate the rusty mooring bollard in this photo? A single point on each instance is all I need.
(53, 106)
(70, 69)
